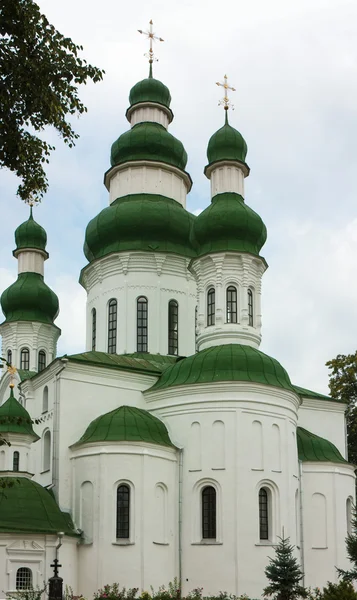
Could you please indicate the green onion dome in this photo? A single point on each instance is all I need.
(14, 418)
(228, 224)
(229, 362)
(30, 235)
(29, 299)
(226, 144)
(27, 507)
(148, 222)
(149, 141)
(150, 90)
(126, 424)
(311, 447)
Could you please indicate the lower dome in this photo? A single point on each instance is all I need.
(29, 299)
(147, 222)
(230, 362)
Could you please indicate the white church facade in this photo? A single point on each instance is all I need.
(172, 446)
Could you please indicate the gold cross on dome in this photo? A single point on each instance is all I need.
(152, 38)
(225, 100)
(11, 370)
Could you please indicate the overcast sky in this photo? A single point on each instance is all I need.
(294, 65)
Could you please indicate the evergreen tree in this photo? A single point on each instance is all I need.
(351, 545)
(284, 574)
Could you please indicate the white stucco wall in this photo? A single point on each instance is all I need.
(326, 419)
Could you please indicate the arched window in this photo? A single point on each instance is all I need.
(46, 451)
(25, 359)
(94, 328)
(9, 357)
(123, 512)
(45, 400)
(112, 326)
(209, 510)
(196, 324)
(142, 324)
(250, 307)
(173, 327)
(16, 461)
(23, 578)
(263, 514)
(211, 306)
(231, 304)
(41, 360)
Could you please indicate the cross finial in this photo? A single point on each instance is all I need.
(152, 38)
(225, 100)
(12, 371)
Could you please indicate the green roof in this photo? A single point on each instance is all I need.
(150, 90)
(146, 222)
(24, 374)
(30, 235)
(304, 393)
(148, 141)
(145, 363)
(314, 448)
(228, 224)
(229, 362)
(29, 299)
(126, 424)
(27, 507)
(14, 418)
(226, 144)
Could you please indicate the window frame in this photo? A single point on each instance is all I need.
(41, 360)
(264, 516)
(46, 466)
(231, 305)
(16, 461)
(9, 356)
(25, 362)
(45, 400)
(112, 325)
(208, 513)
(94, 328)
(173, 325)
(131, 522)
(142, 318)
(30, 583)
(211, 306)
(250, 307)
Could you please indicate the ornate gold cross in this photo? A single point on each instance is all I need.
(11, 370)
(225, 100)
(151, 37)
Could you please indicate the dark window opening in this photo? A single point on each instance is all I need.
(263, 515)
(250, 307)
(211, 306)
(231, 304)
(112, 326)
(173, 327)
(16, 461)
(23, 578)
(209, 513)
(41, 360)
(123, 512)
(94, 328)
(142, 324)
(25, 359)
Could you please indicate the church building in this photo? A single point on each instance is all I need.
(171, 446)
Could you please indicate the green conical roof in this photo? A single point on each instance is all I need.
(228, 224)
(14, 418)
(229, 362)
(150, 90)
(226, 144)
(148, 222)
(29, 299)
(314, 448)
(27, 507)
(148, 141)
(126, 424)
(30, 235)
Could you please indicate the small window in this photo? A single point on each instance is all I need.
(263, 514)
(45, 400)
(94, 328)
(209, 509)
(211, 306)
(123, 512)
(196, 326)
(142, 324)
(112, 326)
(46, 451)
(25, 359)
(41, 360)
(9, 357)
(250, 308)
(16, 461)
(173, 327)
(231, 304)
(23, 578)
(349, 515)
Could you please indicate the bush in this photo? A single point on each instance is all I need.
(334, 591)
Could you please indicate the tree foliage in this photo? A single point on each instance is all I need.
(343, 386)
(40, 71)
(284, 574)
(351, 546)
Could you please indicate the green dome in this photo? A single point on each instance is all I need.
(14, 418)
(29, 299)
(148, 141)
(150, 90)
(30, 235)
(311, 447)
(229, 362)
(27, 507)
(226, 144)
(229, 224)
(140, 222)
(127, 424)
